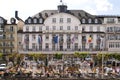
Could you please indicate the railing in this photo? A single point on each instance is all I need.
(8, 30)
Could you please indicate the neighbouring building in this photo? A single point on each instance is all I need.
(8, 36)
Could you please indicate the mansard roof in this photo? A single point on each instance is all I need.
(80, 14)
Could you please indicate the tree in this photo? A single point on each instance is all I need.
(58, 56)
(81, 55)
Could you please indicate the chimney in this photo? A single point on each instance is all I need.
(16, 14)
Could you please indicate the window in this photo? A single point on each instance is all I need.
(1, 20)
(11, 35)
(47, 37)
(68, 20)
(29, 20)
(83, 20)
(68, 37)
(27, 28)
(83, 28)
(40, 46)
(98, 28)
(61, 27)
(33, 45)
(68, 45)
(11, 28)
(47, 46)
(91, 46)
(27, 47)
(76, 46)
(26, 38)
(33, 28)
(89, 20)
(110, 20)
(61, 20)
(11, 50)
(60, 37)
(53, 20)
(54, 27)
(40, 20)
(1, 29)
(96, 20)
(33, 37)
(47, 27)
(40, 28)
(11, 44)
(76, 27)
(76, 36)
(68, 27)
(83, 38)
(35, 20)
(91, 28)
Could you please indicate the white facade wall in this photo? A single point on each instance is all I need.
(74, 22)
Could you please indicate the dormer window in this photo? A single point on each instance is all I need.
(1, 20)
(83, 20)
(96, 20)
(35, 20)
(89, 20)
(40, 20)
(29, 20)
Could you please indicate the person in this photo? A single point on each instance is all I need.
(118, 70)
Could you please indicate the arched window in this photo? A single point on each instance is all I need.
(35, 20)
(40, 20)
(96, 20)
(29, 20)
(83, 20)
(1, 20)
(89, 20)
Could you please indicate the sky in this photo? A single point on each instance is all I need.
(28, 8)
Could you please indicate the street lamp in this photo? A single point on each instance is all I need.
(102, 47)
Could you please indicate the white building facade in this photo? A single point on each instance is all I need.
(77, 30)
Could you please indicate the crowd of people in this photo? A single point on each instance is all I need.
(61, 69)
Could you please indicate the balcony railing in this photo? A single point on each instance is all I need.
(8, 30)
(7, 46)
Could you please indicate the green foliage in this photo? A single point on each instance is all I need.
(36, 56)
(80, 54)
(1, 55)
(58, 56)
(107, 56)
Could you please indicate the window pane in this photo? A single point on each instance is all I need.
(27, 28)
(91, 28)
(68, 20)
(54, 20)
(76, 27)
(47, 27)
(61, 27)
(61, 20)
(68, 27)
(33, 28)
(54, 27)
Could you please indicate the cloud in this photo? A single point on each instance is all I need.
(91, 10)
(28, 8)
(103, 5)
